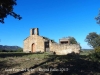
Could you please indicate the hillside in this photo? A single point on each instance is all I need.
(5, 47)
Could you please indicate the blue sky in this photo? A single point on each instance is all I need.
(54, 18)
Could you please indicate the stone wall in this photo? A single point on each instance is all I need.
(60, 49)
(26, 45)
(37, 40)
(40, 44)
(63, 49)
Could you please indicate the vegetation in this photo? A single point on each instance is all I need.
(53, 41)
(6, 8)
(71, 64)
(97, 49)
(72, 40)
(98, 18)
(19, 50)
(93, 39)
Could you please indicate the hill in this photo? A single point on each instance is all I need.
(5, 47)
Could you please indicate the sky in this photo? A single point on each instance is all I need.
(54, 18)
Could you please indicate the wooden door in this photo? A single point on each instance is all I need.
(33, 47)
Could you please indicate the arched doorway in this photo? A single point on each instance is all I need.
(33, 48)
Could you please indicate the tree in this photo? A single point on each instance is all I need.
(6, 8)
(97, 49)
(93, 39)
(98, 18)
(72, 40)
(20, 50)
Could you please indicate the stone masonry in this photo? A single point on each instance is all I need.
(37, 43)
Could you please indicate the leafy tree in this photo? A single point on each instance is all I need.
(72, 40)
(97, 49)
(6, 8)
(98, 18)
(93, 39)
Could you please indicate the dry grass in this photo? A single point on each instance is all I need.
(75, 64)
(19, 61)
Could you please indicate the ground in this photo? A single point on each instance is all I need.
(48, 64)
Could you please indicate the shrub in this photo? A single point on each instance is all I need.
(19, 50)
(0, 50)
(97, 51)
(92, 56)
(4, 51)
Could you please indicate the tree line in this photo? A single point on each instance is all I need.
(19, 50)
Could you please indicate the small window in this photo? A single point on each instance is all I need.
(64, 42)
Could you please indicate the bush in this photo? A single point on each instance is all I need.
(97, 51)
(19, 50)
(4, 51)
(0, 50)
(95, 54)
(92, 56)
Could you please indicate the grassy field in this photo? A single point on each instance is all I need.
(48, 64)
(9, 60)
(86, 52)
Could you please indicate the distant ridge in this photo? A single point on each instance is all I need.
(6, 47)
(87, 49)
